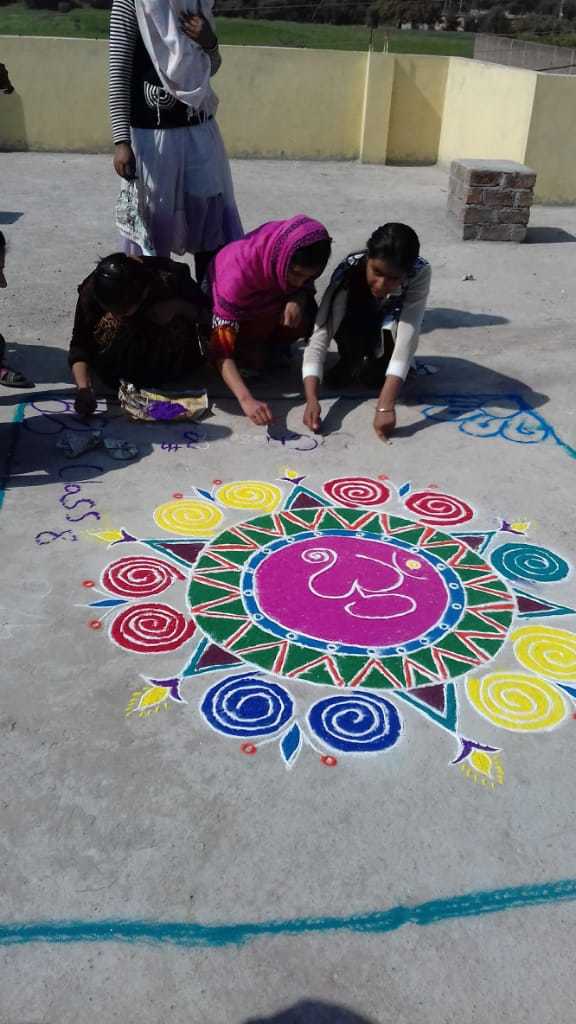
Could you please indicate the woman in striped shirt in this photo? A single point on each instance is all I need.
(164, 129)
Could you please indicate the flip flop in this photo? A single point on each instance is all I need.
(14, 379)
(121, 451)
(75, 443)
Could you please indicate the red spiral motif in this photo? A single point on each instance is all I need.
(356, 491)
(151, 629)
(139, 576)
(438, 509)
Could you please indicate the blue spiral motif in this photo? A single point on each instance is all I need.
(529, 562)
(358, 724)
(247, 706)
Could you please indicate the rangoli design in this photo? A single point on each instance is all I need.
(288, 587)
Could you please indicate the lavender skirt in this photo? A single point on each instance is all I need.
(186, 185)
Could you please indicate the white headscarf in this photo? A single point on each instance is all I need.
(182, 65)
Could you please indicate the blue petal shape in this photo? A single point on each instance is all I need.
(291, 744)
(109, 602)
(404, 489)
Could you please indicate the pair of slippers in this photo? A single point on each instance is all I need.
(75, 443)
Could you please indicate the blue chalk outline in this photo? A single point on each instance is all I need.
(522, 426)
(216, 936)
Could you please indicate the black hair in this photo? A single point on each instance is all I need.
(119, 282)
(3, 242)
(312, 256)
(397, 244)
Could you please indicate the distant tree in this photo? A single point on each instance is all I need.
(495, 21)
(451, 23)
(471, 24)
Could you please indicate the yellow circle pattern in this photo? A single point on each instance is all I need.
(189, 517)
(551, 652)
(521, 703)
(250, 494)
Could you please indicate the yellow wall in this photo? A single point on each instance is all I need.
(280, 103)
(60, 101)
(551, 146)
(417, 104)
(487, 110)
(375, 114)
(310, 104)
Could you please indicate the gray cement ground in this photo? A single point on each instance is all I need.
(159, 818)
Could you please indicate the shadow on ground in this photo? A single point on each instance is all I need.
(30, 455)
(313, 1012)
(454, 377)
(548, 235)
(441, 318)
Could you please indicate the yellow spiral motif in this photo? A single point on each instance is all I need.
(189, 516)
(551, 652)
(521, 703)
(250, 494)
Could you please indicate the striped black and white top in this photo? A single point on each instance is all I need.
(137, 98)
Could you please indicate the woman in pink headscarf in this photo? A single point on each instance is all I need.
(263, 295)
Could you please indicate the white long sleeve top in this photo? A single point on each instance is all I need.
(412, 298)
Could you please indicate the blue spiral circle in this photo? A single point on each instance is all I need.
(529, 562)
(247, 706)
(356, 724)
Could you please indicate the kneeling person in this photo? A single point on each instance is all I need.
(373, 309)
(139, 320)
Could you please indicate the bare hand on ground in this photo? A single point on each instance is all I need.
(258, 412)
(198, 30)
(85, 402)
(313, 415)
(124, 161)
(384, 424)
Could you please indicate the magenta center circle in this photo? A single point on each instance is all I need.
(350, 590)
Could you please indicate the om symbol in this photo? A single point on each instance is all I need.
(336, 582)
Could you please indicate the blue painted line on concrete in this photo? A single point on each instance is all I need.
(13, 437)
(215, 936)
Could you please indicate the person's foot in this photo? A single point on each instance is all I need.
(14, 379)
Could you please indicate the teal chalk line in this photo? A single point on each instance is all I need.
(14, 434)
(214, 936)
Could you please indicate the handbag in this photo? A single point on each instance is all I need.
(162, 407)
(131, 216)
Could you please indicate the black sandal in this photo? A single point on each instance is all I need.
(14, 379)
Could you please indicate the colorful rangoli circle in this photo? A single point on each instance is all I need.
(529, 562)
(359, 723)
(350, 597)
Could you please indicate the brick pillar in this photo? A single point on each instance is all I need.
(490, 200)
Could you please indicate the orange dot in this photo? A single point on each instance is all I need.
(574, 715)
(177, 495)
(88, 583)
(95, 624)
(329, 761)
(383, 476)
(216, 482)
(248, 748)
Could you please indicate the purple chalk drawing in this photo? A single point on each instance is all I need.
(351, 590)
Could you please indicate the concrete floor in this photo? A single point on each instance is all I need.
(160, 819)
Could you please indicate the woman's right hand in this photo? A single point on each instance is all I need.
(313, 415)
(124, 161)
(258, 412)
(85, 402)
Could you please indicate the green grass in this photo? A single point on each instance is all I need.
(17, 20)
